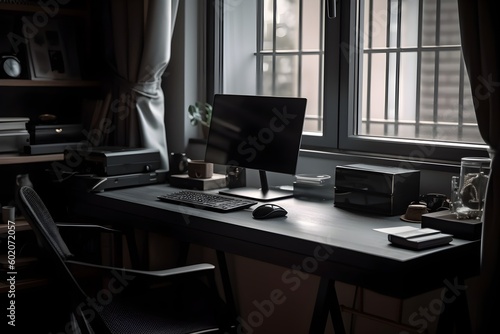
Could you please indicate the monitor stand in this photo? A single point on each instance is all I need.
(264, 194)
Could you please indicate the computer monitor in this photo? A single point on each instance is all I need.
(256, 132)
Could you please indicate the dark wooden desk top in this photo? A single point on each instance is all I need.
(357, 253)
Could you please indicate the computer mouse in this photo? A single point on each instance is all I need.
(268, 210)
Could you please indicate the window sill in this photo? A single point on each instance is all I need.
(356, 157)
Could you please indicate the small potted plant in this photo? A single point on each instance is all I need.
(200, 113)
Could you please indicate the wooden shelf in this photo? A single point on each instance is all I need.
(13, 158)
(25, 284)
(48, 83)
(21, 225)
(36, 9)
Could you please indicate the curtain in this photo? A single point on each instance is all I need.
(480, 30)
(139, 48)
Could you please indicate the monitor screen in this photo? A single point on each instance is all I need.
(256, 132)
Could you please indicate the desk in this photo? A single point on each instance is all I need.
(333, 243)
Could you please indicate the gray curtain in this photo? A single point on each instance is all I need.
(139, 41)
(480, 29)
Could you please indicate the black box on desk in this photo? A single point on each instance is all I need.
(447, 222)
(377, 189)
(111, 161)
(217, 181)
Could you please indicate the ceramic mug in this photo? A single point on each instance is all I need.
(8, 214)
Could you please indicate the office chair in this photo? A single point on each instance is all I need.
(177, 300)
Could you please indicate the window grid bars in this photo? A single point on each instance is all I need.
(398, 63)
(397, 51)
(260, 45)
(319, 123)
(275, 25)
(419, 67)
(369, 65)
(436, 68)
(301, 26)
(387, 64)
(299, 54)
(461, 97)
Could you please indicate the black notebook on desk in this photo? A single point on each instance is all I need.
(420, 239)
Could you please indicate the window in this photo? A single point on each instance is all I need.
(385, 76)
(413, 82)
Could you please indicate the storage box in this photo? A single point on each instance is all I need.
(377, 189)
(447, 222)
(110, 161)
(51, 134)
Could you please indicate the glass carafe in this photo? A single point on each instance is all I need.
(474, 174)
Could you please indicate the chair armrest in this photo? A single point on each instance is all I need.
(97, 228)
(194, 269)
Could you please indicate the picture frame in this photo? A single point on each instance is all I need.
(52, 52)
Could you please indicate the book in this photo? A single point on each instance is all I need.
(420, 239)
(13, 123)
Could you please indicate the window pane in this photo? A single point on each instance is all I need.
(449, 25)
(286, 76)
(414, 91)
(287, 24)
(448, 86)
(408, 87)
(289, 61)
(310, 87)
(375, 23)
(377, 88)
(429, 22)
(312, 25)
(240, 23)
(268, 25)
(409, 17)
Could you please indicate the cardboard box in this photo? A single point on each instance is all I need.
(377, 189)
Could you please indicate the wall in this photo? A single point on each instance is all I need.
(180, 80)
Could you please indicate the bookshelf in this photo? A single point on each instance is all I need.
(14, 158)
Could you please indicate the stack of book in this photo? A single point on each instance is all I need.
(420, 239)
(13, 134)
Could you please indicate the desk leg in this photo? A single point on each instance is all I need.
(456, 315)
(133, 250)
(226, 282)
(326, 303)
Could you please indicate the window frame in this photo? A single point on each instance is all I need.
(407, 149)
(340, 98)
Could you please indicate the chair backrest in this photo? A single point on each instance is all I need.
(41, 222)
(54, 247)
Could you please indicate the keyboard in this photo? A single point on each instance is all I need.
(207, 201)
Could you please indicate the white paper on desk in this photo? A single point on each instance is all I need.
(398, 229)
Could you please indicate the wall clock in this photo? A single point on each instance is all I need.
(10, 67)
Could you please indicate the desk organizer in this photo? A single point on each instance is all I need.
(313, 187)
(217, 181)
(377, 189)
